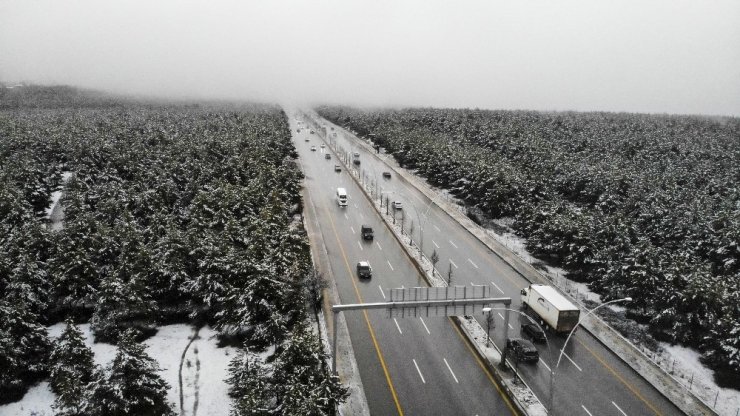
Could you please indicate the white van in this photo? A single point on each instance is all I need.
(342, 197)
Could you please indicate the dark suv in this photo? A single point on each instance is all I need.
(367, 232)
(364, 269)
(522, 350)
(533, 332)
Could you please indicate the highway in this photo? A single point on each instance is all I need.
(590, 379)
(413, 366)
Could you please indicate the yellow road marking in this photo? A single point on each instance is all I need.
(622, 380)
(367, 319)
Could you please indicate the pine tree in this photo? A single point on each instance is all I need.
(131, 386)
(24, 349)
(248, 386)
(72, 369)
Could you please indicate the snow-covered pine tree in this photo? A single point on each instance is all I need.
(131, 385)
(24, 349)
(302, 380)
(248, 386)
(71, 370)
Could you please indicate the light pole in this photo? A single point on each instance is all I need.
(562, 351)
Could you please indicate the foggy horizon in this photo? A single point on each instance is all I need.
(676, 57)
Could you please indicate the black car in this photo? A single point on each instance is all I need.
(387, 175)
(522, 350)
(364, 269)
(533, 332)
(367, 232)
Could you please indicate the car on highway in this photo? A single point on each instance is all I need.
(522, 350)
(356, 161)
(387, 175)
(313, 148)
(297, 130)
(364, 270)
(311, 131)
(533, 332)
(307, 139)
(367, 232)
(397, 205)
(327, 156)
(323, 145)
(337, 168)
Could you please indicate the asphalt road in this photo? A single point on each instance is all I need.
(414, 366)
(590, 379)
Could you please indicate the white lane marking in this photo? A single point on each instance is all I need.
(362, 216)
(389, 265)
(397, 326)
(571, 360)
(436, 228)
(378, 245)
(419, 371)
(452, 243)
(451, 372)
(502, 317)
(425, 325)
(584, 408)
(620, 410)
(361, 249)
(453, 263)
(474, 265)
(382, 293)
(546, 366)
(435, 244)
(496, 286)
(345, 215)
(350, 227)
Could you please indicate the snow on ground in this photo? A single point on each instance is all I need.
(204, 371)
(57, 194)
(692, 372)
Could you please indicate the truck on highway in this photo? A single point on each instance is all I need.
(557, 312)
(342, 197)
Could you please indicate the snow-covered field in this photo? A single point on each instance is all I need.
(204, 371)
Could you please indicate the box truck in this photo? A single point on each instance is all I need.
(342, 197)
(554, 309)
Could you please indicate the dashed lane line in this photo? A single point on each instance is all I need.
(453, 263)
(452, 243)
(389, 265)
(398, 326)
(496, 286)
(620, 410)
(425, 325)
(584, 408)
(451, 372)
(381, 291)
(471, 262)
(419, 371)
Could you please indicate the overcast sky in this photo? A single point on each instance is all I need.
(665, 56)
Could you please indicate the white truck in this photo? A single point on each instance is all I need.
(554, 309)
(342, 197)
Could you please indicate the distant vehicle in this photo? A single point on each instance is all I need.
(313, 148)
(534, 332)
(356, 155)
(367, 232)
(332, 127)
(312, 132)
(397, 205)
(387, 175)
(297, 130)
(337, 168)
(323, 145)
(522, 350)
(554, 309)
(341, 196)
(307, 139)
(356, 161)
(327, 156)
(364, 269)
(334, 134)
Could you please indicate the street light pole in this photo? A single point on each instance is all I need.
(562, 351)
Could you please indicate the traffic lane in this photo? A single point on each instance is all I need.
(506, 271)
(377, 391)
(433, 390)
(426, 362)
